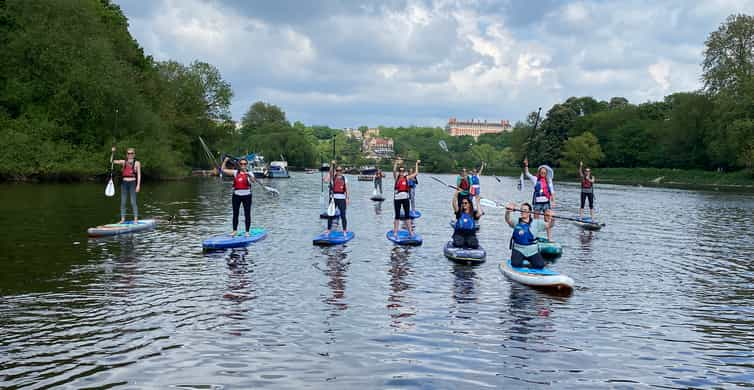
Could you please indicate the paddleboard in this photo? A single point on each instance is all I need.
(538, 278)
(403, 238)
(587, 224)
(377, 198)
(113, 229)
(465, 255)
(225, 241)
(334, 238)
(550, 250)
(413, 214)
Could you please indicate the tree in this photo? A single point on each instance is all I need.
(729, 54)
(584, 148)
(261, 113)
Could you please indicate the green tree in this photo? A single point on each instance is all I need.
(583, 148)
(729, 54)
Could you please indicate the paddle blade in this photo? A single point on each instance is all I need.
(521, 182)
(443, 145)
(331, 209)
(110, 188)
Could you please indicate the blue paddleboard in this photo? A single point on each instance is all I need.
(403, 238)
(239, 240)
(334, 238)
(413, 214)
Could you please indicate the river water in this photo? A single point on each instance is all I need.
(664, 294)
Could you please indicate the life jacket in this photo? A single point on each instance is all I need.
(464, 184)
(412, 183)
(542, 191)
(522, 234)
(241, 181)
(339, 185)
(401, 184)
(585, 183)
(129, 169)
(465, 222)
(474, 180)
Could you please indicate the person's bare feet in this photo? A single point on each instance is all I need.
(233, 233)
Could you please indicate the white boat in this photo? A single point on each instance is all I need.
(258, 166)
(278, 170)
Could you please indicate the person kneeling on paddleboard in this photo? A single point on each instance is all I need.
(464, 231)
(544, 193)
(401, 196)
(523, 242)
(242, 180)
(341, 197)
(131, 183)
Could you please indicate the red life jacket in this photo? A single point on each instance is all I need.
(241, 181)
(542, 185)
(401, 184)
(339, 185)
(129, 169)
(585, 183)
(464, 184)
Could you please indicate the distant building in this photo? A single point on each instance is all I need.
(377, 147)
(352, 133)
(372, 133)
(476, 128)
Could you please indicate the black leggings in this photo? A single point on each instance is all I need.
(589, 196)
(340, 204)
(536, 261)
(465, 239)
(246, 201)
(406, 204)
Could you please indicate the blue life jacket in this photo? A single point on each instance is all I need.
(465, 222)
(522, 234)
(474, 180)
(411, 183)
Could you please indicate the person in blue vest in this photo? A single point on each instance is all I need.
(464, 231)
(544, 192)
(524, 239)
(242, 180)
(412, 183)
(476, 186)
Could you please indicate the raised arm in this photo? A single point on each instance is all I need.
(454, 202)
(416, 170)
(479, 211)
(229, 172)
(395, 168)
(581, 167)
(508, 209)
(531, 177)
(481, 169)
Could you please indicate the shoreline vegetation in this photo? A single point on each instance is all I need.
(67, 97)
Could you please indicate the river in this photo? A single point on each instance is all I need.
(664, 294)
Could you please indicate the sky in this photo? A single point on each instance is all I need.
(351, 63)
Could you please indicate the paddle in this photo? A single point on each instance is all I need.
(443, 145)
(492, 203)
(443, 183)
(210, 157)
(331, 206)
(110, 188)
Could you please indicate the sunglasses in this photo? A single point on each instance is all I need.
(243, 163)
(465, 203)
(131, 153)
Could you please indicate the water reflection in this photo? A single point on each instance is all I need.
(377, 208)
(400, 269)
(336, 270)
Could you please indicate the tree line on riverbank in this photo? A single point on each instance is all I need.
(73, 81)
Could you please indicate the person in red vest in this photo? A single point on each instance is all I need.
(544, 193)
(401, 195)
(242, 180)
(463, 183)
(587, 190)
(341, 196)
(131, 183)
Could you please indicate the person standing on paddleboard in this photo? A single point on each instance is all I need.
(401, 195)
(476, 186)
(341, 196)
(131, 183)
(587, 190)
(463, 182)
(523, 243)
(412, 183)
(378, 180)
(242, 180)
(464, 231)
(544, 193)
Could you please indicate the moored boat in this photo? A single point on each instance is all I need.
(278, 170)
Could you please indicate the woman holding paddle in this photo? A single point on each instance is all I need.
(587, 190)
(131, 183)
(544, 193)
(242, 180)
(524, 240)
(402, 194)
(340, 194)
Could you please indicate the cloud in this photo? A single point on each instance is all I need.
(348, 63)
